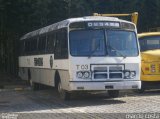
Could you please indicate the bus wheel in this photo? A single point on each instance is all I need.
(113, 93)
(62, 93)
(142, 90)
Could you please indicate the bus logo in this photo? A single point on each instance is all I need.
(38, 61)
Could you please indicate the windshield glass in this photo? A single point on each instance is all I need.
(103, 43)
(87, 42)
(149, 43)
(121, 43)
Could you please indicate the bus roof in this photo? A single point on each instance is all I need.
(148, 34)
(65, 23)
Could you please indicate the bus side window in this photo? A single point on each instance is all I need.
(42, 44)
(57, 51)
(27, 46)
(61, 49)
(64, 44)
(51, 38)
(33, 45)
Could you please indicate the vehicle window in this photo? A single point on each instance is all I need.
(42, 43)
(61, 45)
(149, 43)
(87, 43)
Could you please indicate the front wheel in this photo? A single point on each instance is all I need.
(62, 93)
(113, 93)
(143, 88)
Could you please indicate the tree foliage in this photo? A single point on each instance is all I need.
(18, 17)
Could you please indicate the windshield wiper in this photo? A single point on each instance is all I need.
(120, 53)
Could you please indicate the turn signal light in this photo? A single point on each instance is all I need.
(146, 68)
(153, 68)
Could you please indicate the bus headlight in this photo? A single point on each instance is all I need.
(133, 74)
(79, 74)
(129, 74)
(86, 74)
(83, 74)
(126, 74)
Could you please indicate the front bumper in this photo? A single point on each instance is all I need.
(101, 86)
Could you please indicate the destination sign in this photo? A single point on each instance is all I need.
(103, 24)
(95, 24)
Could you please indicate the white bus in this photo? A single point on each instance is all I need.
(82, 54)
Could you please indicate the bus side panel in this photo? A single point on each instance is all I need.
(43, 76)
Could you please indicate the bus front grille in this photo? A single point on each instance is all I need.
(105, 72)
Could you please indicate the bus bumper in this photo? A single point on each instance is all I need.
(101, 86)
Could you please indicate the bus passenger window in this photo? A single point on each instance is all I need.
(42, 44)
(51, 42)
(33, 45)
(27, 46)
(61, 48)
(64, 45)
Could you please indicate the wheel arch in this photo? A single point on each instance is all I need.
(56, 78)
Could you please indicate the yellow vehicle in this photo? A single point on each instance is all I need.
(150, 53)
(134, 16)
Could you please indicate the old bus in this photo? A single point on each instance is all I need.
(82, 54)
(150, 52)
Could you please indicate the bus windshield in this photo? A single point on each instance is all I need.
(149, 43)
(116, 43)
(121, 43)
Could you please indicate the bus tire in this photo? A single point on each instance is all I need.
(56, 80)
(64, 95)
(113, 93)
(142, 90)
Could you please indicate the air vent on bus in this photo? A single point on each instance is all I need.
(107, 72)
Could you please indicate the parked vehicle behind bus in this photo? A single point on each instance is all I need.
(150, 52)
(82, 54)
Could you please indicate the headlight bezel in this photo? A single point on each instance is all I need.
(133, 74)
(126, 74)
(84, 76)
(130, 75)
(79, 74)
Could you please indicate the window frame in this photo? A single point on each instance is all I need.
(144, 39)
(58, 54)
